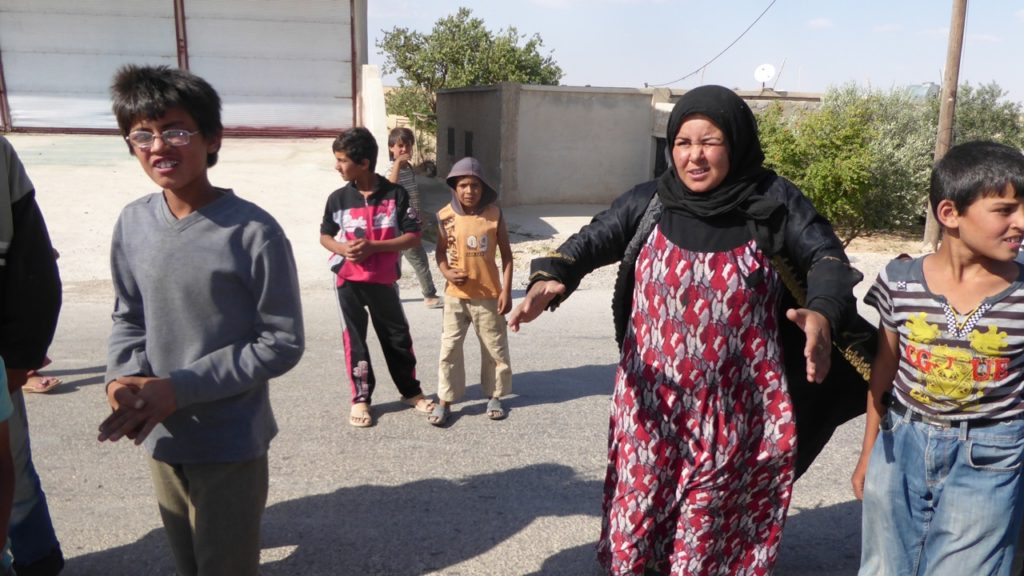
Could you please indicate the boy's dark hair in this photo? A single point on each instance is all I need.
(358, 144)
(973, 170)
(400, 134)
(148, 92)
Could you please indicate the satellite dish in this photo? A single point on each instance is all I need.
(764, 73)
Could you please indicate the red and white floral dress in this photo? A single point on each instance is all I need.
(702, 443)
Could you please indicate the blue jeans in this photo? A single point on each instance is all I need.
(942, 500)
(33, 540)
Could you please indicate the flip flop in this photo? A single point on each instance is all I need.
(439, 415)
(41, 384)
(494, 409)
(421, 403)
(361, 418)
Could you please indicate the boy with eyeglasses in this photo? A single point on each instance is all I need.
(206, 312)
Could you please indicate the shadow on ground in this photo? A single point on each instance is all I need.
(416, 528)
(75, 378)
(434, 525)
(557, 386)
(817, 541)
(529, 389)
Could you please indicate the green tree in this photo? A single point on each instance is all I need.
(835, 141)
(864, 157)
(984, 113)
(902, 146)
(826, 153)
(459, 51)
(779, 142)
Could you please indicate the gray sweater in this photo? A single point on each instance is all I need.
(211, 301)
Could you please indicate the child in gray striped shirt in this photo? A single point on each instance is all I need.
(400, 143)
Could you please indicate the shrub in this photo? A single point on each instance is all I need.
(863, 157)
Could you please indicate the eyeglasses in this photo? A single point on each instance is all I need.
(144, 140)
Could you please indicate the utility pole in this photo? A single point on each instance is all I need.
(947, 106)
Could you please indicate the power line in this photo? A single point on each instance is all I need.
(708, 63)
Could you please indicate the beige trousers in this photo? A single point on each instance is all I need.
(491, 330)
(212, 514)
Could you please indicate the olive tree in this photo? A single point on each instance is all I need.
(985, 113)
(826, 153)
(863, 157)
(459, 51)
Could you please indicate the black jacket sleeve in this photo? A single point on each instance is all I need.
(601, 242)
(823, 273)
(30, 290)
(814, 249)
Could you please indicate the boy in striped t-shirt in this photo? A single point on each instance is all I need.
(400, 143)
(940, 467)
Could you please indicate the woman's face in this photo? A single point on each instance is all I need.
(700, 154)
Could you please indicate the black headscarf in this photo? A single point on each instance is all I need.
(739, 193)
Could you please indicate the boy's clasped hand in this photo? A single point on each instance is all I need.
(139, 404)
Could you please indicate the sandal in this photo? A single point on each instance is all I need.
(41, 384)
(360, 418)
(433, 302)
(494, 409)
(421, 403)
(439, 415)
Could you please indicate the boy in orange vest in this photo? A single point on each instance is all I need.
(471, 230)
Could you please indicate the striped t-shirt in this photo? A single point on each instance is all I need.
(952, 365)
(407, 180)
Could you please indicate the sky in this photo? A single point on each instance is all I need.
(812, 44)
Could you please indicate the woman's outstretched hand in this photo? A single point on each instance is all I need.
(818, 350)
(537, 300)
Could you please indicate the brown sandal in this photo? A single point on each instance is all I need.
(41, 384)
(421, 403)
(360, 418)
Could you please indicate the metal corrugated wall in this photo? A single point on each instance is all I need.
(279, 65)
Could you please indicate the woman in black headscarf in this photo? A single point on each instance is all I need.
(732, 292)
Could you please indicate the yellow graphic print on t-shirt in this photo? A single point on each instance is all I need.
(950, 373)
(989, 343)
(920, 330)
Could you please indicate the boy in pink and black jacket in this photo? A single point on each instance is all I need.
(366, 225)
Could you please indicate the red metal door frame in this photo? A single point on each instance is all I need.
(5, 109)
(180, 34)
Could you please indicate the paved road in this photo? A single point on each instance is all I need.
(516, 497)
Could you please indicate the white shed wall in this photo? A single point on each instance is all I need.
(59, 56)
(275, 63)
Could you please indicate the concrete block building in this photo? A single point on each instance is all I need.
(566, 144)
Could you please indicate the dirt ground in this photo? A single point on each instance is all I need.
(910, 241)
